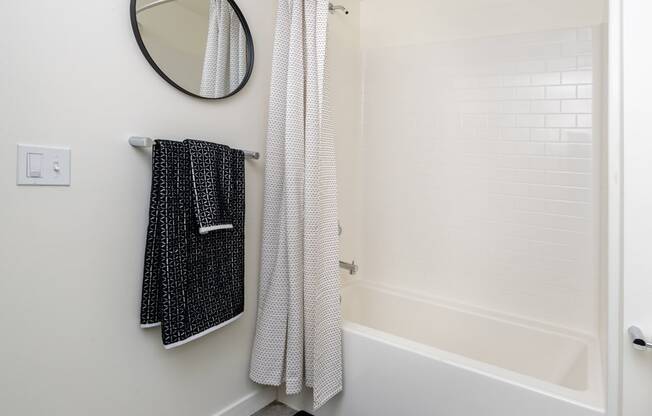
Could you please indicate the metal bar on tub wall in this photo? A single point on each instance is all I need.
(335, 7)
(351, 267)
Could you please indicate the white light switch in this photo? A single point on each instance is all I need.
(40, 165)
(34, 165)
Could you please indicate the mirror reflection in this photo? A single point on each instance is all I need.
(202, 47)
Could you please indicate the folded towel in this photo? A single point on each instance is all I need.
(212, 184)
(193, 284)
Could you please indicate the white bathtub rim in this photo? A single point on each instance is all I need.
(592, 343)
(593, 395)
(587, 399)
(524, 322)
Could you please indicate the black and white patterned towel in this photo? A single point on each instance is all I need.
(212, 184)
(193, 284)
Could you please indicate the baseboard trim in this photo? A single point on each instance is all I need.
(249, 404)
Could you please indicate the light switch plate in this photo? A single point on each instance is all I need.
(53, 163)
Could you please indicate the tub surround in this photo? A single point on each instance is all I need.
(499, 163)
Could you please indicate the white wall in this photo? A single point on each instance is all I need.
(71, 258)
(390, 22)
(637, 175)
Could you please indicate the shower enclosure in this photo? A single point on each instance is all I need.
(472, 161)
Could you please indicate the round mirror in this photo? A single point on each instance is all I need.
(202, 47)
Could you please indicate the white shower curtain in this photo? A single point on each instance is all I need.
(298, 330)
(225, 59)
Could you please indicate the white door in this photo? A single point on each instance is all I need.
(637, 209)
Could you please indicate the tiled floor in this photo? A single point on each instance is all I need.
(275, 409)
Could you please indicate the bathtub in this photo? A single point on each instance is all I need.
(409, 355)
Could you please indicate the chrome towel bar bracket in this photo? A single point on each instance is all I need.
(139, 141)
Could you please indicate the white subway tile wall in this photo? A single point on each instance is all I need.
(561, 92)
(480, 180)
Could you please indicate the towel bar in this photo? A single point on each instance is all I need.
(138, 141)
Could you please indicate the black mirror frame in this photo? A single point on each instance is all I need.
(250, 53)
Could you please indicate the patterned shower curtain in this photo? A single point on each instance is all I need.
(225, 59)
(298, 330)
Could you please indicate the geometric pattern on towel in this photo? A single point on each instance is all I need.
(192, 283)
(212, 185)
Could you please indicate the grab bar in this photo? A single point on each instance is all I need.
(638, 339)
(351, 267)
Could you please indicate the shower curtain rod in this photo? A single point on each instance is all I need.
(331, 7)
(137, 141)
